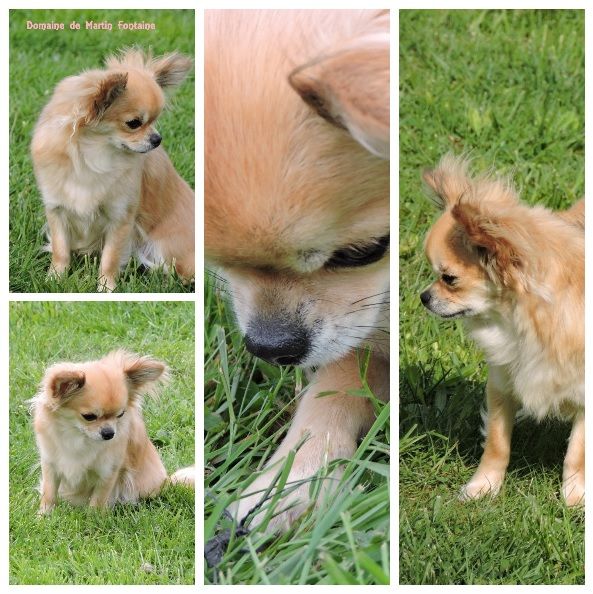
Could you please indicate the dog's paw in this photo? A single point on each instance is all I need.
(45, 508)
(57, 270)
(573, 490)
(480, 485)
(106, 284)
(309, 482)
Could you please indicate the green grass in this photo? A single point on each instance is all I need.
(38, 61)
(507, 87)
(79, 545)
(248, 405)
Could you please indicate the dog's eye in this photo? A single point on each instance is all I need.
(121, 414)
(449, 279)
(135, 123)
(89, 417)
(359, 255)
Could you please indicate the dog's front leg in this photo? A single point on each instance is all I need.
(60, 241)
(117, 240)
(330, 425)
(100, 497)
(573, 475)
(501, 410)
(50, 483)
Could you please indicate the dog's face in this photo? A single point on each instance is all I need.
(296, 204)
(129, 122)
(489, 250)
(119, 106)
(462, 288)
(95, 397)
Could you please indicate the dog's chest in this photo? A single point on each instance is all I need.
(80, 460)
(541, 385)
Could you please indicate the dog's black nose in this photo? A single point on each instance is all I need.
(278, 341)
(155, 139)
(425, 297)
(107, 433)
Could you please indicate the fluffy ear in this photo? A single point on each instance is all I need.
(109, 88)
(501, 241)
(62, 382)
(143, 373)
(170, 70)
(448, 182)
(350, 87)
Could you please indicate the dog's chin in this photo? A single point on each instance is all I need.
(136, 149)
(448, 314)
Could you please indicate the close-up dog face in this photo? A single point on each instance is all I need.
(297, 185)
(96, 397)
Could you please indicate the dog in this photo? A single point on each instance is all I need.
(515, 275)
(106, 182)
(90, 432)
(297, 216)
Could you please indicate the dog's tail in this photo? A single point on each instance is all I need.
(184, 476)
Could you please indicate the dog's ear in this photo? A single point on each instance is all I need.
(142, 373)
(349, 87)
(170, 70)
(448, 181)
(501, 241)
(108, 89)
(62, 382)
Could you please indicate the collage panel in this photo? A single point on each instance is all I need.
(102, 412)
(102, 155)
(296, 376)
(492, 319)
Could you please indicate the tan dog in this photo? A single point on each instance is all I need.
(297, 212)
(516, 276)
(106, 183)
(90, 433)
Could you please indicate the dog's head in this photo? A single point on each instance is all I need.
(488, 249)
(297, 185)
(94, 397)
(120, 105)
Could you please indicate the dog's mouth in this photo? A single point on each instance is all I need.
(458, 314)
(435, 307)
(142, 150)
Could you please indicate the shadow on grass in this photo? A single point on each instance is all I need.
(451, 407)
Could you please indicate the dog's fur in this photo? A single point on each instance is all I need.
(107, 457)
(297, 184)
(515, 274)
(106, 183)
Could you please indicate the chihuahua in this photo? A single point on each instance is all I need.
(90, 433)
(297, 216)
(516, 276)
(107, 184)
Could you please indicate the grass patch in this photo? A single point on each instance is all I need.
(38, 61)
(150, 543)
(248, 407)
(507, 87)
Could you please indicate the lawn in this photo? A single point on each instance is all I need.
(248, 404)
(150, 543)
(507, 88)
(38, 61)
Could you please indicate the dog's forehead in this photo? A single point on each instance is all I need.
(108, 382)
(143, 92)
(439, 239)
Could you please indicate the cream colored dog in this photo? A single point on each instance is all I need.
(297, 213)
(516, 276)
